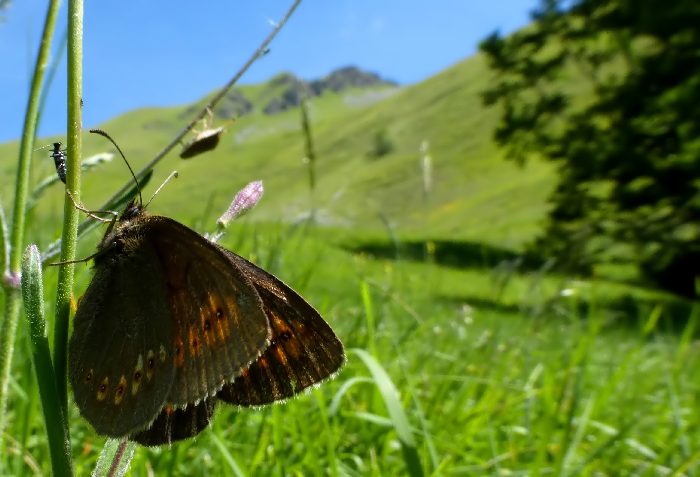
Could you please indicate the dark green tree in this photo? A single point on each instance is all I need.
(610, 91)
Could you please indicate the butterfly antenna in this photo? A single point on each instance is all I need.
(173, 175)
(138, 187)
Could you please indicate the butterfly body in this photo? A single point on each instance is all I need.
(172, 322)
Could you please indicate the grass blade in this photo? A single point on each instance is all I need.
(390, 395)
(233, 465)
(54, 419)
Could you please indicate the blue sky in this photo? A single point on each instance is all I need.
(163, 53)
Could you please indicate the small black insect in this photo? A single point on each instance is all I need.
(59, 159)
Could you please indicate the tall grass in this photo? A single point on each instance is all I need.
(482, 389)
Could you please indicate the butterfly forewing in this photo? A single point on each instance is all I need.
(220, 325)
(173, 425)
(119, 357)
(303, 350)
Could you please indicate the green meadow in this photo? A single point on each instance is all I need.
(464, 358)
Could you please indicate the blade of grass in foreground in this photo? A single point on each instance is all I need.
(233, 465)
(369, 315)
(330, 441)
(390, 395)
(54, 419)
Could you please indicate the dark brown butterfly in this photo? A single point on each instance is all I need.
(171, 322)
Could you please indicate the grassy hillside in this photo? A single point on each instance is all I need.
(473, 189)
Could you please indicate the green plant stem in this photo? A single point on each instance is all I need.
(310, 151)
(3, 242)
(69, 236)
(54, 418)
(12, 291)
(115, 458)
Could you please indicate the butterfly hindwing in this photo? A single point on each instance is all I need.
(303, 351)
(173, 425)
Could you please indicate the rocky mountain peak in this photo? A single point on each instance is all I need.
(285, 91)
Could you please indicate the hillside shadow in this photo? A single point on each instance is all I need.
(651, 317)
(450, 253)
(479, 303)
(669, 315)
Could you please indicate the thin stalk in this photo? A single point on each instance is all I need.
(310, 151)
(4, 243)
(12, 291)
(69, 236)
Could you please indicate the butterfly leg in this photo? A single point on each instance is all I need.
(91, 213)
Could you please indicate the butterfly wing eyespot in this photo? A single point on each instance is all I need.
(220, 325)
(303, 350)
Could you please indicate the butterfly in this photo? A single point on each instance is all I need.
(172, 323)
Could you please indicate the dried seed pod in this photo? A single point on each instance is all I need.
(202, 142)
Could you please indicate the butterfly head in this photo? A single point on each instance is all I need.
(133, 209)
(121, 235)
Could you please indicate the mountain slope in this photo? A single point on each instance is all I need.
(476, 195)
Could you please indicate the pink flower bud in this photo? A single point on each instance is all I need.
(242, 203)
